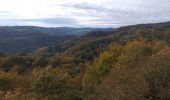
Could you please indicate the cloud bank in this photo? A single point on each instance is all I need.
(83, 13)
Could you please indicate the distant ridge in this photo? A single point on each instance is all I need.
(30, 38)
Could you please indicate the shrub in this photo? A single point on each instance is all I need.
(6, 84)
(53, 86)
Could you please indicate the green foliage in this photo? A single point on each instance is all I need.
(19, 63)
(157, 75)
(55, 62)
(40, 61)
(123, 66)
(6, 84)
(89, 50)
(46, 84)
(53, 86)
(134, 52)
(100, 67)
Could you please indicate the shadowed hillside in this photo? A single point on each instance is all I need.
(30, 38)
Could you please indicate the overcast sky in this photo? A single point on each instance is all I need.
(83, 13)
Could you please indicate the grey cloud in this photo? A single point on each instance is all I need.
(95, 10)
(85, 6)
(124, 15)
(124, 12)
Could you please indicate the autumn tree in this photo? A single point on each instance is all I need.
(157, 75)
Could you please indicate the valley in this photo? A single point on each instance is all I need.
(126, 63)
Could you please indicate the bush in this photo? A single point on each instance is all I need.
(6, 84)
(53, 86)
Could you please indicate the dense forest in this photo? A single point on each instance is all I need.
(16, 39)
(127, 63)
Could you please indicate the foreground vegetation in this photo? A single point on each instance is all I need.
(131, 63)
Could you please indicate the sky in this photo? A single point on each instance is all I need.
(83, 13)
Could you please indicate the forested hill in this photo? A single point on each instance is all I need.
(128, 63)
(99, 40)
(29, 38)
